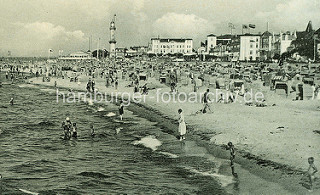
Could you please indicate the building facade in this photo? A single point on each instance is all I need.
(249, 47)
(285, 40)
(211, 42)
(171, 46)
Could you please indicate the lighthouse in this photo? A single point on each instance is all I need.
(112, 41)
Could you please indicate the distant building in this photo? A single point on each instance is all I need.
(267, 46)
(137, 51)
(80, 55)
(211, 42)
(171, 46)
(234, 48)
(285, 40)
(317, 41)
(249, 47)
(120, 52)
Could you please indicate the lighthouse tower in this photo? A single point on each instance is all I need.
(112, 41)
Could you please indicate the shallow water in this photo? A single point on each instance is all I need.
(134, 156)
(35, 158)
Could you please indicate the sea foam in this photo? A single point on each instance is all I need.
(149, 142)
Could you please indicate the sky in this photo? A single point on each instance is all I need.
(32, 27)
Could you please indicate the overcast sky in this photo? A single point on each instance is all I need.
(31, 27)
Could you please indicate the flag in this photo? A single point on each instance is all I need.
(252, 25)
(244, 26)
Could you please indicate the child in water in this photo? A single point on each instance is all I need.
(232, 157)
(11, 101)
(92, 130)
(74, 130)
(121, 110)
(311, 171)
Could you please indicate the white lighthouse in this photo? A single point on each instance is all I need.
(112, 41)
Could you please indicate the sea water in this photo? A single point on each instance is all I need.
(138, 159)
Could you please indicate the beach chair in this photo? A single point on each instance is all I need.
(199, 83)
(184, 81)
(212, 82)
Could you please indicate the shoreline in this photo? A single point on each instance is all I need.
(287, 176)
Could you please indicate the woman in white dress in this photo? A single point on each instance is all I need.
(182, 125)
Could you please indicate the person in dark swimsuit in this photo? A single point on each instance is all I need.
(74, 130)
(66, 125)
(92, 130)
(121, 110)
(232, 157)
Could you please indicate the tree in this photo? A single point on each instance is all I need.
(304, 47)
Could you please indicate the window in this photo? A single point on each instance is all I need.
(251, 52)
(251, 46)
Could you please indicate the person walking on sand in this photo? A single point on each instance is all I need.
(206, 101)
(121, 110)
(232, 157)
(182, 126)
(313, 91)
(311, 171)
(116, 82)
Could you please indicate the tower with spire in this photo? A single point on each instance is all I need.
(112, 41)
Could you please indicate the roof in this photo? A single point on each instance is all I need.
(228, 36)
(248, 35)
(171, 39)
(211, 35)
(267, 34)
(279, 78)
(80, 53)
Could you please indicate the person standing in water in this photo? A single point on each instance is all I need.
(182, 126)
(11, 101)
(121, 110)
(66, 125)
(232, 157)
(92, 131)
(74, 130)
